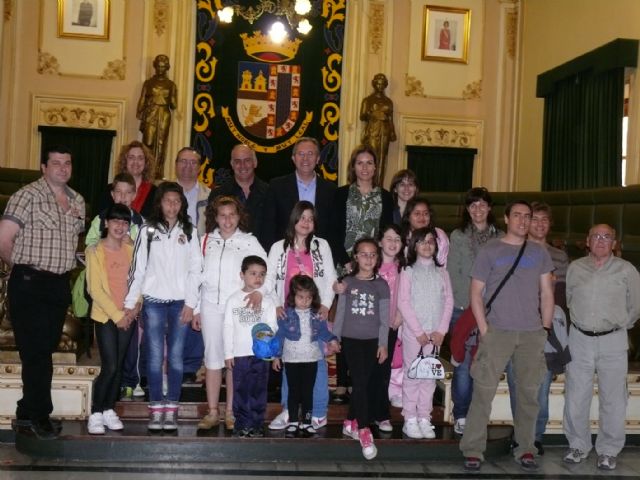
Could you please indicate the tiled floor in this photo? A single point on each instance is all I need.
(14, 465)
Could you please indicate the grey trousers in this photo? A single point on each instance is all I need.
(497, 347)
(606, 356)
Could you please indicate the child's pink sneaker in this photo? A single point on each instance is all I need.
(369, 450)
(350, 428)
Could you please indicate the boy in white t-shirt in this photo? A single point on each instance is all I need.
(250, 374)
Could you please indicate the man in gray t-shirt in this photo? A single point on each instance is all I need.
(511, 331)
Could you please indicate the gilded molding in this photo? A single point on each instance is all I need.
(58, 370)
(473, 91)
(8, 8)
(78, 117)
(115, 70)
(48, 64)
(413, 87)
(160, 16)
(376, 27)
(511, 32)
(442, 136)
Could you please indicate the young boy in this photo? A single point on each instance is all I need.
(250, 374)
(123, 190)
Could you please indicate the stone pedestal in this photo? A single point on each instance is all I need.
(71, 390)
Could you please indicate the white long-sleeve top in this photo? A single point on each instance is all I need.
(170, 271)
(240, 319)
(324, 273)
(222, 262)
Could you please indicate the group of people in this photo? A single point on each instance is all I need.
(195, 279)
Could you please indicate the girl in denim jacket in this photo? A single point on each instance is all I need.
(302, 328)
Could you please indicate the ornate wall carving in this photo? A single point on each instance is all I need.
(413, 87)
(48, 64)
(440, 132)
(376, 27)
(115, 70)
(8, 8)
(77, 112)
(511, 32)
(473, 91)
(78, 117)
(160, 16)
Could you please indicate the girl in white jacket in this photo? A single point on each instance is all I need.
(166, 273)
(300, 252)
(223, 247)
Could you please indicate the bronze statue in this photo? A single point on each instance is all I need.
(157, 99)
(377, 113)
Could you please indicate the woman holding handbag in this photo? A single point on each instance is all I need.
(425, 302)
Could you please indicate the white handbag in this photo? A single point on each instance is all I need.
(426, 367)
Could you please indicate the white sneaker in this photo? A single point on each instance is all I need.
(111, 420)
(350, 429)
(458, 427)
(575, 455)
(411, 428)
(319, 422)
(95, 425)
(426, 428)
(281, 421)
(396, 401)
(138, 391)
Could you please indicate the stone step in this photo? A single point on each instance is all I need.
(196, 410)
(136, 444)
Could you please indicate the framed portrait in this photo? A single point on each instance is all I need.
(445, 34)
(85, 19)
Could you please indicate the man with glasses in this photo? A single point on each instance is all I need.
(603, 295)
(245, 186)
(304, 184)
(197, 193)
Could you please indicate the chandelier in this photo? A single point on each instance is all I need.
(294, 11)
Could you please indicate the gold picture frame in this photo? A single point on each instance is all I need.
(84, 19)
(445, 34)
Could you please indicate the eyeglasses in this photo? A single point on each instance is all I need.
(605, 237)
(367, 254)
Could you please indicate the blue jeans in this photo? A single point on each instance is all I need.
(461, 382)
(543, 399)
(163, 320)
(320, 391)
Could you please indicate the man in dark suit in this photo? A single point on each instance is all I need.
(245, 186)
(284, 192)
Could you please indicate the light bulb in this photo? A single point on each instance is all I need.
(302, 7)
(304, 26)
(277, 33)
(226, 14)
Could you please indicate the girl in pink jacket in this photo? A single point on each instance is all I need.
(425, 302)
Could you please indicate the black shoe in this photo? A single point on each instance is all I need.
(242, 432)
(189, 379)
(256, 433)
(539, 446)
(45, 429)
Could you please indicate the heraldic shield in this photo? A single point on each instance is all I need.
(268, 102)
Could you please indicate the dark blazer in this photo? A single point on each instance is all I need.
(339, 221)
(282, 195)
(254, 204)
